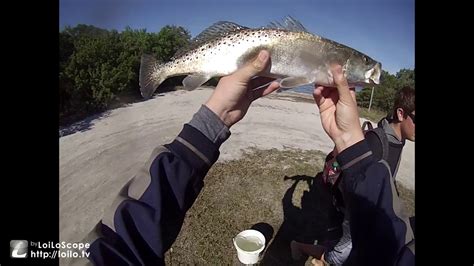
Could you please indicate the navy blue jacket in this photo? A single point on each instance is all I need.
(147, 216)
(380, 234)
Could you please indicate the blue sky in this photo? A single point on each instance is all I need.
(382, 29)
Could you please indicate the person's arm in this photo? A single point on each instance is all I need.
(378, 229)
(147, 215)
(378, 232)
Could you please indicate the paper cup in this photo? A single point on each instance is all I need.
(249, 244)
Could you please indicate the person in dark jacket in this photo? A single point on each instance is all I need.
(386, 143)
(380, 235)
(147, 215)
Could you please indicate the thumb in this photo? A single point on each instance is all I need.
(318, 95)
(341, 84)
(253, 67)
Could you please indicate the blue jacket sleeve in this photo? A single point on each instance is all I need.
(379, 231)
(147, 215)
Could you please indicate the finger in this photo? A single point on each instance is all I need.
(353, 94)
(254, 67)
(318, 95)
(341, 84)
(326, 91)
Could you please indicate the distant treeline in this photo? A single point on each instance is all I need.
(384, 93)
(96, 66)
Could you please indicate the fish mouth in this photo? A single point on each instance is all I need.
(372, 76)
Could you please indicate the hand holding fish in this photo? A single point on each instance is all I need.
(234, 93)
(338, 111)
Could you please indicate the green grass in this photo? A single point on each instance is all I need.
(374, 115)
(241, 193)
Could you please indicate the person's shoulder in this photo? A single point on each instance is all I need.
(374, 139)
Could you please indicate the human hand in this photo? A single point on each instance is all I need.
(234, 93)
(338, 111)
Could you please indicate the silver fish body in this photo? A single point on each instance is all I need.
(297, 57)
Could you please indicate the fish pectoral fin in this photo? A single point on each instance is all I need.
(291, 82)
(191, 82)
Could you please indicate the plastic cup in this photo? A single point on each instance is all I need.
(249, 244)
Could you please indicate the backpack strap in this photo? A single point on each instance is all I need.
(368, 125)
(398, 164)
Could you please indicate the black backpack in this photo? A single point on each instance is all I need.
(380, 133)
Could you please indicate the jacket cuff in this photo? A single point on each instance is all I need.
(195, 148)
(210, 125)
(356, 157)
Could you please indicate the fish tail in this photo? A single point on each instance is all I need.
(150, 75)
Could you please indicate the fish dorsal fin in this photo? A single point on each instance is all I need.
(216, 30)
(287, 23)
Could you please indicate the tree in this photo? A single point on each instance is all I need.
(168, 41)
(363, 97)
(97, 64)
(97, 70)
(406, 77)
(384, 93)
(82, 30)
